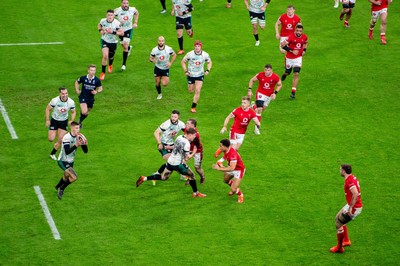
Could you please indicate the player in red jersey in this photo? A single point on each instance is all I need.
(242, 117)
(296, 46)
(350, 211)
(347, 10)
(288, 22)
(269, 84)
(234, 172)
(196, 150)
(379, 11)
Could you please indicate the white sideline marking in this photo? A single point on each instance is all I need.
(29, 43)
(47, 214)
(8, 121)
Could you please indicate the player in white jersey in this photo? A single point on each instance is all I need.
(257, 15)
(160, 56)
(109, 28)
(177, 162)
(195, 70)
(165, 135)
(58, 123)
(182, 10)
(125, 15)
(70, 143)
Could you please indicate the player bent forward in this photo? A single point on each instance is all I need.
(234, 172)
(70, 143)
(350, 211)
(177, 162)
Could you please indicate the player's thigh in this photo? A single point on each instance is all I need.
(51, 135)
(60, 133)
(84, 108)
(199, 84)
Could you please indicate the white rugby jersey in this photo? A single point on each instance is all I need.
(70, 140)
(255, 6)
(114, 25)
(196, 63)
(169, 131)
(180, 5)
(60, 108)
(162, 56)
(180, 151)
(125, 17)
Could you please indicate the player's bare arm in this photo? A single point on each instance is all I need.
(135, 20)
(251, 83)
(48, 108)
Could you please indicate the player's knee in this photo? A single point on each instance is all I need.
(296, 70)
(343, 218)
(111, 54)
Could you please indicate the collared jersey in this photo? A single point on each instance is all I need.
(88, 85)
(266, 85)
(296, 43)
(162, 56)
(170, 130)
(114, 25)
(288, 24)
(196, 63)
(60, 108)
(125, 17)
(242, 119)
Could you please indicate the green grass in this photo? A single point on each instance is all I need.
(346, 110)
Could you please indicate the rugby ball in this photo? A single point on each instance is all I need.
(81, 138)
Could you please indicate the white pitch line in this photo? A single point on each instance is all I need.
(8, 121)
(29, 43)
(47, 214)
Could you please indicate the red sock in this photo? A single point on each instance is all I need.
(238, 192)
(340, 236)
(230, 182)
(345, 234)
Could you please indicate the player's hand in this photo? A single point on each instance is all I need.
(250, 93)
(295, 52)
(273, 96)
(215, 166)
(134, 25)
(108, 30)
(47, 123)
(223, 130)
(94, 92)
(277, 36)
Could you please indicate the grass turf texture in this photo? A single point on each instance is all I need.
(346, 107)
